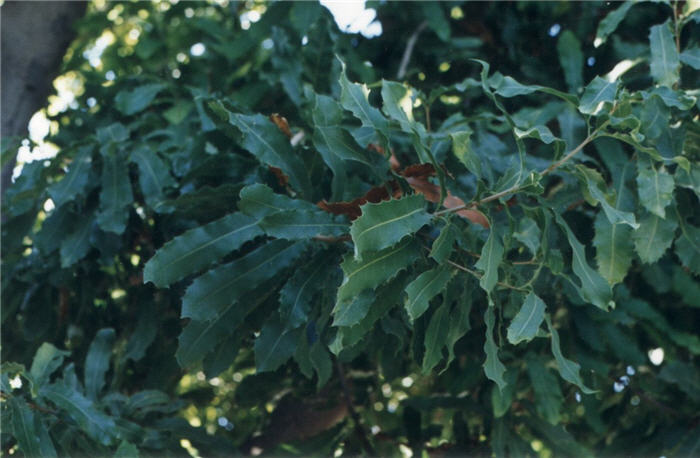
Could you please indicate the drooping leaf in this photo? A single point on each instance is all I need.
(548, 397)
(691, 56)
(46, 360)
(25, 427)
(493, 367)
(198, 338)
(354, 98)
(671, 98)
(444, 243)
(211, 292)
(571, 59)
(435, 337)
(153, 174)
(506, 86)
(321, 362)
(75, 181)
(655, 117)
(75, 246)
(384, 224)
(653, 237)
(655, 187)
(116, 194)
(334, 143)
(459, 317)
(665, 63)
(353, 310)
(594, 289)
(541, 133)
(597, 94)
(375, 268)
(529, 234)
(568, 369)
(527, 321)
(298, 292)
(298, 225)
(610, 22)
(113, 133)
(491, 256)
(97, 362)
(265, 141)
(463, 150)
(132, 101)
(613, 242)
(197, 248)
(274, 346)
(425, 287)
(258, 201)
(687, 246)
(96, 424)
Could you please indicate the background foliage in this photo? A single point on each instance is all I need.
(261, 242)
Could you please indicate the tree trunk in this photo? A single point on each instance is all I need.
(35, 36)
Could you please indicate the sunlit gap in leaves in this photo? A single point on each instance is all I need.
(353, 17)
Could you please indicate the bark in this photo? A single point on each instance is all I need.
(35, 36)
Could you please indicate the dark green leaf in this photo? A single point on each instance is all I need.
(613, 242)
(463, 150)
(211, 292)
(655, 187)
(297, 294)
(425, 287)
(493, 367)
(375, 268)
(527, 321)
(298, 225)
(436, 337)
(97, 362)
(571, 59)
(665, 64)
(354, 98)
(491, 256)
(594, 289)
(384, 224)
(197, 248)
(46, 360)
(568, 369)
(75, 181)
(258, 201)
(444, 243)
(153, 174)
(274, 346)
(126, 450)
(352, 311)
(653, 237)
(608, 25)
(691, 56)
(75, 245)
(135, 100)
(116, 194)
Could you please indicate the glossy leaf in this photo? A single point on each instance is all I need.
(197, 248)
(463, 150)
(527, 321)
(568, 369)
(444, 243)
(96, 424)
(375, 268)
(665, 64)
(655, 187)
(384, 224)
(613, 242)
(97, 362)
(258, 201)
(265, 141)
(493, 367)
(594, 289)
(354, 98)
(352, 311)
(435, 337)
(210, 293)
(274, 346)
(597, 94)
(491, 256)
(653, 237)
(610, 22)
(425, 287)
(298, 225)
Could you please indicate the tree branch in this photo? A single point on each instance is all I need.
(406, 58)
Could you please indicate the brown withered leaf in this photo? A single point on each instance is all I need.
(282, 179)
(419, 171)
(281, 123)
(431, 192)
(352, 208)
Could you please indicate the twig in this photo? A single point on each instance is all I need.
(478, 275)
(409, 50)
(359, 430)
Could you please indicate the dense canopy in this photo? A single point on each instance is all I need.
(473, 231)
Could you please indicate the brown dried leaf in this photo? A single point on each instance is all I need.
(352, 208)
(281, 123)
(282, 179)
(431, 192)
(419, 171)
